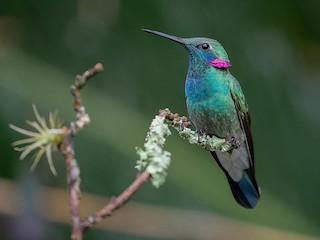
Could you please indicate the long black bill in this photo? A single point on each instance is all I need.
(173, 38)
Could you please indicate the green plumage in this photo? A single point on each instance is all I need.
(210, 105)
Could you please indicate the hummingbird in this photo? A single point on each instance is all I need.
(217, 107)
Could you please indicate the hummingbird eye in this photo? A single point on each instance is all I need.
(204, 46)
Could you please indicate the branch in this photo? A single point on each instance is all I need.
(115, 203)
(153, 162)
(81, 81)
(182, 126)
(67, 150)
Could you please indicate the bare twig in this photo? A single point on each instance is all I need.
(115, 203)
(73, 175)
(66, 148)
(80, 82)
(73, 171)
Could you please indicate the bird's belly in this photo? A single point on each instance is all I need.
(215, 115)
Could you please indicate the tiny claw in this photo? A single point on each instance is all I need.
(200, 133)
(234, 142)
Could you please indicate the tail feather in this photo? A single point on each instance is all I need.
(245, 191)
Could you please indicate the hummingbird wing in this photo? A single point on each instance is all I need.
(243, 117)
(245, 189)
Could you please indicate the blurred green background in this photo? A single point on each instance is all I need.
(274, 47)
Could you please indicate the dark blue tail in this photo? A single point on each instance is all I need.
(246, 191)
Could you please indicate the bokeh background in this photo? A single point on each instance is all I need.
(274, 47)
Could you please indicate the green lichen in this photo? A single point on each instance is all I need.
(209, 143)
(153, 158)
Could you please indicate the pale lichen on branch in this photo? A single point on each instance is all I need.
(155, 160)
(182, 126)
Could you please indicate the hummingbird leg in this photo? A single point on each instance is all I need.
(235, 143)
(200, 133)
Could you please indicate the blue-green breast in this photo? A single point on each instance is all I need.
(209, 102)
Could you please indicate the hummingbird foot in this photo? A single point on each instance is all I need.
(200, 133)
(234, 142)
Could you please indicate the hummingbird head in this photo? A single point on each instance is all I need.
(201, 50)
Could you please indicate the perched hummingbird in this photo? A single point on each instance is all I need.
(216, 106)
